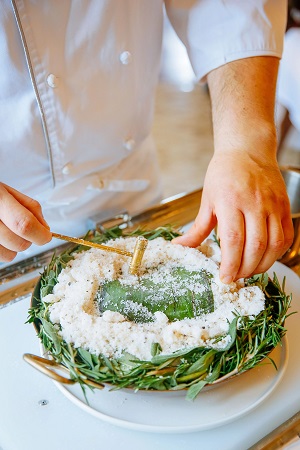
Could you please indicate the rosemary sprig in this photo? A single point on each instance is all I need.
(251, 341)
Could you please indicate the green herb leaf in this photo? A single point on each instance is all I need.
(51, 333)
(155, 349)
(202, 363)
(86, 357)
(194, 390)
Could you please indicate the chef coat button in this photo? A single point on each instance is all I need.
(52, 80)
(125, 57)
(67, 169)
(129, 144)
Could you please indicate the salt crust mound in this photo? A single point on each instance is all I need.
(72, 302)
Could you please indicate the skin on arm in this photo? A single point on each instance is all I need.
(244, 192)
(283, 128)
(21, 223)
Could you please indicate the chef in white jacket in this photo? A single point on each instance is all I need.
(77, 83)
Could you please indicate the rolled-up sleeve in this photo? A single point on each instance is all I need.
(216, 32)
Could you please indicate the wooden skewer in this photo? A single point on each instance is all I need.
(91, 244)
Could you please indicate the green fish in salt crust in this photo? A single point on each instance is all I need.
(179, 294)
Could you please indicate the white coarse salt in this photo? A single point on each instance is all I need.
(113, 317)
(72, 304)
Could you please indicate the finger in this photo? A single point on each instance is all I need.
(276, 244)
(256, 241)
(29, 203)
(11, 241)
(22, 222)
(6, 255)
(201, 228)
(288, 231)
(231, 230)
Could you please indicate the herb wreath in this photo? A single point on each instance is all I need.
(191, 369)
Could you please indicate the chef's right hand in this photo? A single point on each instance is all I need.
(21, 223)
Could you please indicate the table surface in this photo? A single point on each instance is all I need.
(26, 425)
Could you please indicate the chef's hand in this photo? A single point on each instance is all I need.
(247, 199)
(21, 223)
(243, 190)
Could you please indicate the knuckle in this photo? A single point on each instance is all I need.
(23, 226)
(278, 245)
(233, 237)
(258, 244)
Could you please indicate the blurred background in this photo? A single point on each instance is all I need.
(182, 122)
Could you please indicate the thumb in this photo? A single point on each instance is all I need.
(201, 228)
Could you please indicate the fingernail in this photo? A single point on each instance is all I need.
(227, 279)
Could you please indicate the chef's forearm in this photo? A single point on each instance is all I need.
(243, 98)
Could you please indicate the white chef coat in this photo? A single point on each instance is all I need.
(77, 82)
(288, 89)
